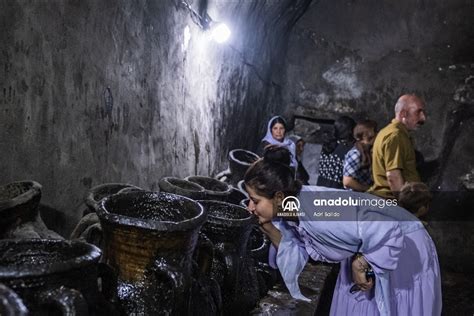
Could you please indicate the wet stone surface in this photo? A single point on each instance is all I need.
(315, 281)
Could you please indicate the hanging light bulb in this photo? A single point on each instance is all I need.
(220, 32)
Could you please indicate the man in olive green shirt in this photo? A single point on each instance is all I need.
(393, 156)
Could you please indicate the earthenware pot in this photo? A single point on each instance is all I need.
(149, 241)
(213, 189)
(182, 187)
(258, 247)
(18, 204)
(97, 193)
(239, 161)
(51, 275)
(236, 196)
(228, 227)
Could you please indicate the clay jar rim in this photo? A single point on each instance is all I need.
(208, 191)
(244, 203)
(250, 153)
(249, 220)
(237, 192)
(89, 197)
(170, 181)
(88, 254)
(241, 188)
(34, 190)
(153, 225)
(12, 303)
(264, 241)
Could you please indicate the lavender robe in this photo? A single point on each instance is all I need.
(393, 241)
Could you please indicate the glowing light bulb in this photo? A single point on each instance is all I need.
(220, 33)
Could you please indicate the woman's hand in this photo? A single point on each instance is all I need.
(359, 277)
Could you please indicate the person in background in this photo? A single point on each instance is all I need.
(331, 162)
(415, 197)
(357, 172)
(301, 172)
(393, 154)
(389, 264)
(276, 135)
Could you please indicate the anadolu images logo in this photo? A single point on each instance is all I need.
(290, 204)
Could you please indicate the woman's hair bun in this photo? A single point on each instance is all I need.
(277, 154)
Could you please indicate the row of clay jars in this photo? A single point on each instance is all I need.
(229, 222)
(194, 187)
(148, 240)
(220, 258)
(258, 243)
(40, 264)
(90, 227)
(36, 264)
(29, 204)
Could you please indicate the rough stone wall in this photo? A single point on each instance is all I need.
(131, 91)
(357, 57)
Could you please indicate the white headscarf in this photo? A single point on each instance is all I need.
(287, 143)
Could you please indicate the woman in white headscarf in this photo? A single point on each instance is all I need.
(276, 135)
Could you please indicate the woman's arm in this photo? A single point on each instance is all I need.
(350, 182)
(353, 165)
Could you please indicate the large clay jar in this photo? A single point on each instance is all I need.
(239, 161)
(213, 189)
(236, 196)
(51, 275)
(258, 247)
(149, 241)
(182, 187)
(88, 228)
(229, 227)
(97, 193)
(18, 204)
